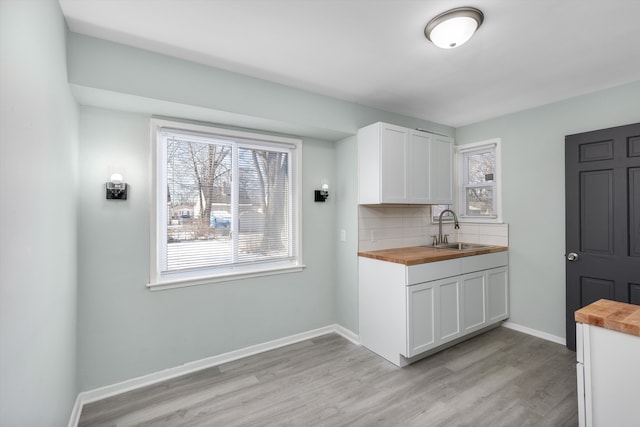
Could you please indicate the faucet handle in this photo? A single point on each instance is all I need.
(445, 238)
(435, 239)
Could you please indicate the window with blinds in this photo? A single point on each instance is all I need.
(227, 204)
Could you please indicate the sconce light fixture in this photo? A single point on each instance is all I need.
(323, 194)
(116, 189)
(454, 27)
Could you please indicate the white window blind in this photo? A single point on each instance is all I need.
(227, 205)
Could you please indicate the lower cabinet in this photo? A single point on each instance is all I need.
(608, 376)
(402, 317)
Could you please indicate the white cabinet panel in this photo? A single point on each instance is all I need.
(498, 294)
(473, 301)
(483, 262)
(421, 318)
(609, 376)
(394, 157)
(433, 271)
(433, 314)
(382, 308)
(449, 309)
(441, 169)
(420, 161)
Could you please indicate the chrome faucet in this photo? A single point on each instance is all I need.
(440, 238)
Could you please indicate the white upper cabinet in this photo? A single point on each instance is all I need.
(441, 170)
(418, 173)
(406, 166)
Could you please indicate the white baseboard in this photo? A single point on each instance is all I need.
(347, 334)
(208, 362)
(74, 418)
(536, 333)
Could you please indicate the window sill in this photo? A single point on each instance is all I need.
(468, 220)
(175, 283)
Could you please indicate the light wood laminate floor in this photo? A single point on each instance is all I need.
(500, 378)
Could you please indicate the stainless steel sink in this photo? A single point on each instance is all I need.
(462, 246)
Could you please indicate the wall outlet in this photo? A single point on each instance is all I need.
(343, 235)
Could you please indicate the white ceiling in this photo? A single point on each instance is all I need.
(373, 52)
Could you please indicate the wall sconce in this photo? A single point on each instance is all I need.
(116, 189)
(323, 194)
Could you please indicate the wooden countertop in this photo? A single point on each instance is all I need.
(421, 254)
(614, 315)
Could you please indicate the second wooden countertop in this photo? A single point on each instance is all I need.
(614, 315)
(421, 254)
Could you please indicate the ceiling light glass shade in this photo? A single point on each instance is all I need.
(453, 27)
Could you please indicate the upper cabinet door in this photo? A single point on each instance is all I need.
(394, 152)
(383, 153)
(441, 170)
(400, 165)
(419, 167)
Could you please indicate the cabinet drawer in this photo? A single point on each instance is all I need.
(483, 262)
(432, 271)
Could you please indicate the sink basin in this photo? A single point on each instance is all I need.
(462, 246)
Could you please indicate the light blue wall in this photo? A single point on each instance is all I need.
(346, 199)
(534, 197)
(38, 159)
(125, 330)
(125, 78)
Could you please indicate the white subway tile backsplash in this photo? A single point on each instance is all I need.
(412, 222)
(385, 227)
(413, 241)
(369, 222)
(469, 228)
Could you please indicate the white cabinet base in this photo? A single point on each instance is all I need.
(407, 313)
(608, 377)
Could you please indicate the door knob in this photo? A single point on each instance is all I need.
(572, 256)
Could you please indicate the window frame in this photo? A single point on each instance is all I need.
(169, 280)
(460, 172)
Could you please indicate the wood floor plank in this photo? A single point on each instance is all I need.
(500, 378)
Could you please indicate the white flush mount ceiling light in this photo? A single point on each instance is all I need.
(454, 27)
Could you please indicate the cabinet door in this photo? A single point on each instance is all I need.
(421, 318)
(419, 172)
(448, 309)
(394, 154)
(441, 170)
(473, 286)
(497, 294)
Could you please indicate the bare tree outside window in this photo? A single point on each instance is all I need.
(272, 193)
(207, 224)
(227, 204)
(480, 169)
(478, 183)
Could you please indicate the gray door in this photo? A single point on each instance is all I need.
(602, 178)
